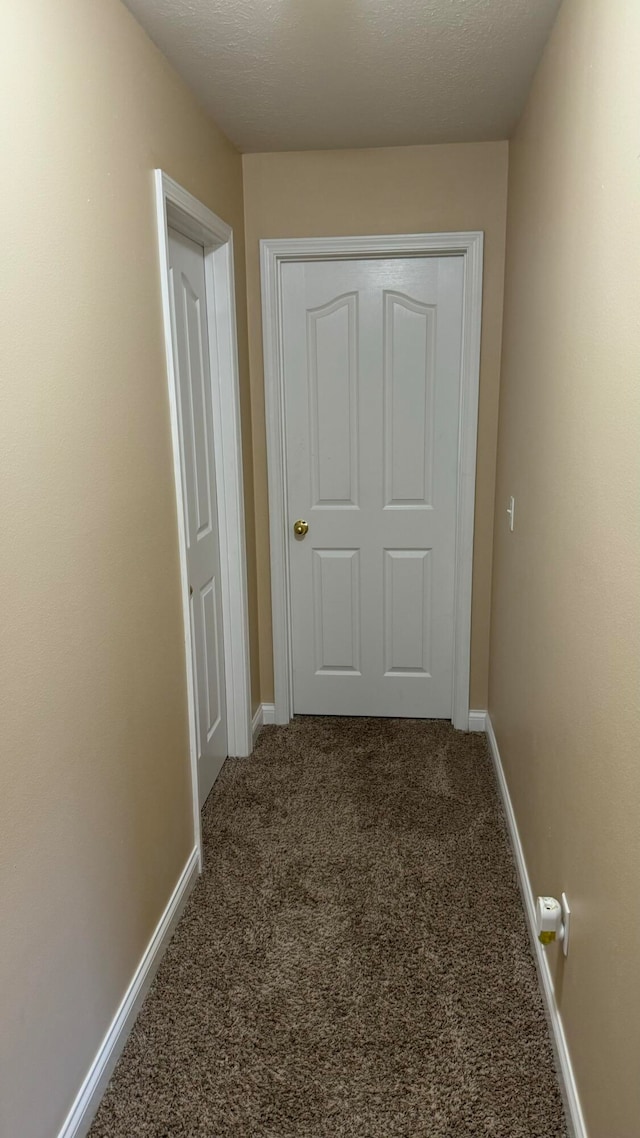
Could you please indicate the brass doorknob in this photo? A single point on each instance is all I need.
(300, 527)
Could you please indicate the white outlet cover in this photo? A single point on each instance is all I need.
(566, 918)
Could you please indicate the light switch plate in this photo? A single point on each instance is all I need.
(511, 512)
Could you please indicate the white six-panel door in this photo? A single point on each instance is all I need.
(191, 351)
(372, 357)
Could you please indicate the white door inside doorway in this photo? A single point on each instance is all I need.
(371, 366)
(195, 430)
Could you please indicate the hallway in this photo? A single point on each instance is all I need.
(354, 960)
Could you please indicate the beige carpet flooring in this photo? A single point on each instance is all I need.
(354, 962)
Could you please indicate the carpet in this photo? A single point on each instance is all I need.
(354, 962)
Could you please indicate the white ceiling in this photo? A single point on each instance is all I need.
(317, 74)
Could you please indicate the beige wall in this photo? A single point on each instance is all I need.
(95, 811)
(400, 190)
(565, 643)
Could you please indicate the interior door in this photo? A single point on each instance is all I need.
(372, 357)
(195, 417)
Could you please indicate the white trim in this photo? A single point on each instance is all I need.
(477, 720)
(80, 1117)
(567, 1077)
(269, 713)
(256, 723)
(264, 713)
(272, 256)
(175, 206)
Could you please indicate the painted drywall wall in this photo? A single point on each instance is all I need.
(95, 811)
(565, 641)
(400, 190)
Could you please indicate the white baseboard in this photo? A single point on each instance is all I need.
(568, 1082)
(256, 722)
(88, 1098)
(477, 720)
(264, 713)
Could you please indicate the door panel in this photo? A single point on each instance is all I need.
(195, 415)
(407, 611)
(332, 371)
(408, 379)
(336, 610)
(211, 653)
(372, 355)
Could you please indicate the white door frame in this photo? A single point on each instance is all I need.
(179, 209)
(273, 254)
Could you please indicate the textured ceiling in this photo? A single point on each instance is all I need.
(316, 74)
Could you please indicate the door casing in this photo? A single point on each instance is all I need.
(178, 208)
(273, 253)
